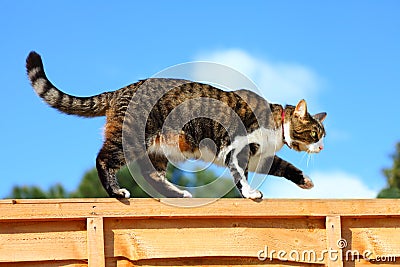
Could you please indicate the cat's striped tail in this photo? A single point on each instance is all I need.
(82, 106)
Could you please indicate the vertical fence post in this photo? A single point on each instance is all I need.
(334, 241)
(95, 242)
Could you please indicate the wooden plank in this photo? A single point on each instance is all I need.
(44, 240)
(66, 263)
(372, 263)
(225, 232)
(176, 238)
(83, 208)
(372, 238)
(95, 242)
(334, 241)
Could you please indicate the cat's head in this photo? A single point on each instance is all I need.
(302, 131)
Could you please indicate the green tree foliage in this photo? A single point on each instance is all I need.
(205, 184)
(35, 192)
(90, 185)
(393, 177)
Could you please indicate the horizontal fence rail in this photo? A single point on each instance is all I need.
(199, 232)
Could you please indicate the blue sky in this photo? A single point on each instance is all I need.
(342, 56)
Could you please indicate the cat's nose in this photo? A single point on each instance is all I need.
(320, 147)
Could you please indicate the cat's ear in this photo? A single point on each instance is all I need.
(320, 116)
(301, 109)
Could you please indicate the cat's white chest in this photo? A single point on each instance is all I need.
(269, 141)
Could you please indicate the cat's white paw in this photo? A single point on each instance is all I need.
(308, 184)
(124, 193)
(187, 194)
(252, 194)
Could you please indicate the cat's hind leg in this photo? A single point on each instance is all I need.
(109, 160)
(111, 156)
(153, 169)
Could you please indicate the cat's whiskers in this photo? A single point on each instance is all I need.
(309, 158)
(313, 157)
(302, 158)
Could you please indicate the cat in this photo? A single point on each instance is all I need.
(244, 128)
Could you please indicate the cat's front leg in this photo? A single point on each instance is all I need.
(282, 168)
(237, 163)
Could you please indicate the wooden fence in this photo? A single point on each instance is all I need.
(225, 232)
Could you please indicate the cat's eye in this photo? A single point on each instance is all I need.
(313, 134)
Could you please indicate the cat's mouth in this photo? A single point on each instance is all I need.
(309, 148)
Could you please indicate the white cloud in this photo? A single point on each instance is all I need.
(334, 184)
(279, 82)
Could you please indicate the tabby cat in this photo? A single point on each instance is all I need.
(244, 128)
